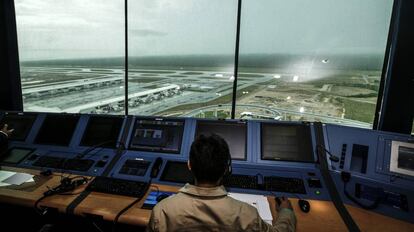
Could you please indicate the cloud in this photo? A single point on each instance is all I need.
(146, 32)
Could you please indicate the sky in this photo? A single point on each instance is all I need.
(63, 29)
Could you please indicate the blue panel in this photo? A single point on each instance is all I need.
(376, 180)
(364, 153)
(99, 157)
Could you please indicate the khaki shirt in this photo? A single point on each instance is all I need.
(210, 209)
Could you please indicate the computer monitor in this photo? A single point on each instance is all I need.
(15, 155)
(234, 133)
(402, 158)
(102, 131)
(177, 171)
(57, 129)
(21, 123)
(157, 135)
(286, 142)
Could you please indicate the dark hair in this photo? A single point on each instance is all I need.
(209, 158)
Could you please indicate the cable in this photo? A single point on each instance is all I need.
(66, 185)
(345, 176)
(374, 205)
(129, 206)
(332, 157)
(99, 145)
(38, 210)
(97, 227)
(122, 212)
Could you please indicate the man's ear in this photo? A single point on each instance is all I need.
(189, 165)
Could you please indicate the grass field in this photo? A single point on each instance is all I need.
(360, 111)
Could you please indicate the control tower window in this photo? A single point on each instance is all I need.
(71, 55)
(312, 60)
(181, 56)
(298, 60)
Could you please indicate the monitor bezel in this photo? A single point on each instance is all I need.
(156, 150)
(87, 127)
(76, 116)
(395, 145)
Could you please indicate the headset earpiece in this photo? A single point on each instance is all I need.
(229, 169)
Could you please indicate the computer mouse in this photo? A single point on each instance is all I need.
(304, 205)
(162, 196)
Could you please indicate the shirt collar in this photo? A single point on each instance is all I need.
(218, 191)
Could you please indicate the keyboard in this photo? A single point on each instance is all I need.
(81, 165)
(129, 188)
(284, 184)
(49, 162)
(241, 181)
(134, 167)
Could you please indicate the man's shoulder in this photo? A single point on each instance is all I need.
(170, 201)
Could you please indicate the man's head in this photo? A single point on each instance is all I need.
(209, 158)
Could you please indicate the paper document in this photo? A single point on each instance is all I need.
(18, 179)
(5, 174)
(259, 201)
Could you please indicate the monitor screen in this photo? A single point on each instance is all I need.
(286, 142)
(15, 155)
(234, 133)
(57, 130)
(176, 171)
(402, 158)
(102, 131)
(21, 123)
(406, 158)
(157, 135)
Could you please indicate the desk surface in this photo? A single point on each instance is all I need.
(323, 214)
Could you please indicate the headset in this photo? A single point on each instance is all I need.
(229, 168)
(67, 184)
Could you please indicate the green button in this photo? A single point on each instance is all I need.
(318, 192)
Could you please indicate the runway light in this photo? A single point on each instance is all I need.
(277, 76)
(288, 97)
(218, 75)
(295, 78)
(302, 109)
(325, 61)
(231, 78)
